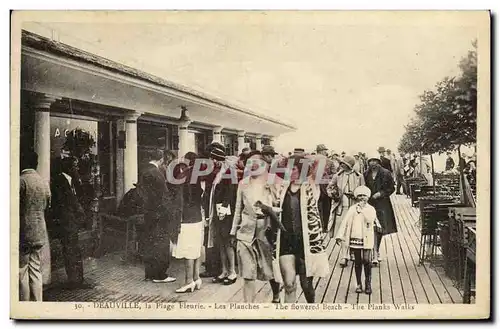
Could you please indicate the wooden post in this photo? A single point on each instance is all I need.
(432, 173)
(461, 173)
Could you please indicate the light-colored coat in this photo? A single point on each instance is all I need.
(246, 224)
(370, 222)
(35, 196)
(340, 183)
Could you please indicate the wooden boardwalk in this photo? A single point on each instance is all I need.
(398, 279)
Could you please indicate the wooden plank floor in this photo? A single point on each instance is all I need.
(398, 279)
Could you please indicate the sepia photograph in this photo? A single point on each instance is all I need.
(250, 165)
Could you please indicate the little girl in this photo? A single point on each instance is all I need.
(358, 231)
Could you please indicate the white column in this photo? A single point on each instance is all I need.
(183, 138)
(258, 142)
(130, 159)
(42, 133)
(241, 141)
(217, 134)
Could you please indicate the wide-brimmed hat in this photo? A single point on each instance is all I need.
(381, 149)
(321, 147)
(268, 149)
(348, 160)
(362, 190)
(217, 151)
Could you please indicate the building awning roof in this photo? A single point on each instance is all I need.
(37, 43)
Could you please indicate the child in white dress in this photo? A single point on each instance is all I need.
(358, 231)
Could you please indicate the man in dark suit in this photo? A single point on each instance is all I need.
(157, 227)
(385, 162)
(34, 199)
(68, 218)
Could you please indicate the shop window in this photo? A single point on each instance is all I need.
(92, 142)
(201, 142)
(150, 137)
(106, 155)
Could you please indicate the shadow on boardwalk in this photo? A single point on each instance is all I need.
(398, 279)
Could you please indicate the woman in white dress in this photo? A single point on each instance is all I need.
(190, 238)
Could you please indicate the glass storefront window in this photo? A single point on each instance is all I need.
(92, 142)
(150, 137)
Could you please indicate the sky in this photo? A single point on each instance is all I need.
(346, 82)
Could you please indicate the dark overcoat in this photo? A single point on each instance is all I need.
(383, 183)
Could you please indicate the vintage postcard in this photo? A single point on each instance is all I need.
(250, 165)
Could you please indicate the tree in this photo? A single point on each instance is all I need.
(446, 117)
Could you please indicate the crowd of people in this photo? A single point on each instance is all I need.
(264, 216)
(257, 216)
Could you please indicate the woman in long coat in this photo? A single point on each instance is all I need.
(300, 248)
(381, 184)
(249, 229)
(340, 189)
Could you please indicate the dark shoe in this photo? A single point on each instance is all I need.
(343, 262)
(228, 281)
(359, 289)
(219, 279)
(368, 286)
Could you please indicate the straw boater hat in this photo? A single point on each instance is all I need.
(362, 190)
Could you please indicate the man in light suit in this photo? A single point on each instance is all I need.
(34, 199)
